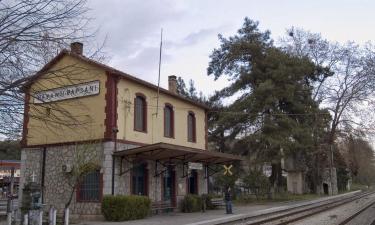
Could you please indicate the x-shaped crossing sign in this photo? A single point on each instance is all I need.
(227, 170)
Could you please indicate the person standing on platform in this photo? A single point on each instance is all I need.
(228, 201)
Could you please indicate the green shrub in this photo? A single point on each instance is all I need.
(257, 182)
(191, 203)
(121, 208)
(208, 198)
(245, 199)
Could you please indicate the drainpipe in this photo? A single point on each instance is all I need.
(113, 175)
(43, 171)
(115, 131)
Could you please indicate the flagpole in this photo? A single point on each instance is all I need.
(160, 51)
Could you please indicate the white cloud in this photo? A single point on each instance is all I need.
(191, 28)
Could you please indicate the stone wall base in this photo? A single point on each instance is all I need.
(295, 182)
(56, 181)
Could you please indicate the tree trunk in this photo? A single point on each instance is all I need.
(67, 204)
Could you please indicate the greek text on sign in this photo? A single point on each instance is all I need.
(195, 166)
(68, 92)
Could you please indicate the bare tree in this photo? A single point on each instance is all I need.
(346, 80)
(344, 87)
(31, 34)
(359, 156)
(86, 159)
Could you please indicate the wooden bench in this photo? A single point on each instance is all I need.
(161, 205)
(218, 202)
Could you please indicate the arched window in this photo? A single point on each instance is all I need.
(140, 113)
(168, 121)
(191, 127)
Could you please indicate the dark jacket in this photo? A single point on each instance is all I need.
(227, 196)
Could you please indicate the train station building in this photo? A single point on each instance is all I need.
(141, 140)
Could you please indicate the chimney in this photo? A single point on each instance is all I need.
(76, 48)
(172, 83)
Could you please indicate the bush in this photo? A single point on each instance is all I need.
(245, 199)
(207, 198)
(257, 182)
(121, 208)
(191, 203)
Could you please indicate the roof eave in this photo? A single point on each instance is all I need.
(110, 70)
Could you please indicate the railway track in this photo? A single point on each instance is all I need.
(359, 212)
(297, 213)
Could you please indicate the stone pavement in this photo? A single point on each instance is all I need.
(210, 216)
(188, 218)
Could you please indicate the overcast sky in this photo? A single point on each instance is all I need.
(191, 28)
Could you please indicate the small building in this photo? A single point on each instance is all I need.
(295, 169)
(7, 167)
(144, 140)
(296, 177)
(328, 185)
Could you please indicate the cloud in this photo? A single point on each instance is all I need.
(132, 28)
(144, 63)
(192, 38)
(132, 25)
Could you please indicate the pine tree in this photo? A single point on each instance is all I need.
(274, 113)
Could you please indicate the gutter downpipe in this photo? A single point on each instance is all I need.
(114, 130)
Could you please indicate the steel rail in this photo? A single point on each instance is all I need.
(350, 218)
(324, 208)
(317, 206)
(310, 211)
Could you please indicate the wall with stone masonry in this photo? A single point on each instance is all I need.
(121, 179)
(123, 182)
(31, 161)
(58, 186)
(108, 148)
(326, 178)
(202, 182)
(295, 182)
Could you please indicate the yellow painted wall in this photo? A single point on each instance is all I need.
(155, 125)
(73, 119)
(83, 118)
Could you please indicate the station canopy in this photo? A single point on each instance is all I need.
(174, 153)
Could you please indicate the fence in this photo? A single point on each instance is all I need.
(4, 204)
(30, 218)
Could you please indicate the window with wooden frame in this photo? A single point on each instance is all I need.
(192, 182)
(140, 113)
(139, 179)
(168, 121)
(90, 188)
(191, 125)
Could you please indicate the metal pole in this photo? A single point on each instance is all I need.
(10, 196)
(114, 130)
(160, 51)
(41, 217)
(9, 219)
(54, 216)
(66, 219)
(331, 169)
(50, 216)
(26, 219)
